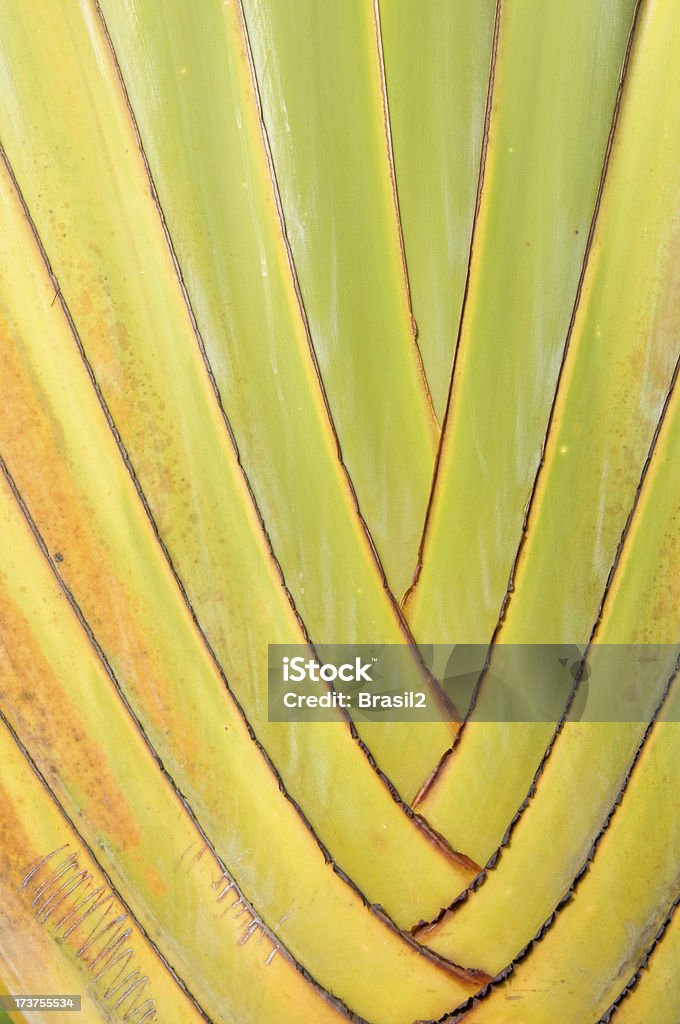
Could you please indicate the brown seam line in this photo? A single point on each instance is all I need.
(492, 863)
(192, 317)
(75, 607)
(397, 209)
(436, 774)
(168, 966)
(404, 628)
(577, 301)
(417, 820)
(445, 705)
(438, 694)
(408, 596)
(503, 975)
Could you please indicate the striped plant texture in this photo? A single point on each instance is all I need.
(336, 322)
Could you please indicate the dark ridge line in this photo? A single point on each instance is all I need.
(166, 963)
(612, 1010)
(192, 317)
(492, 863)
(397, 207)
(304, 317)
(423, 826)
(577, 302)
(436, 837)
(420, 824)
(461, 973)
(408, 596)
(638, 494)
(505, 973)
(401, 622)
(423, 928)
(174, 788)
(507, 597)
(404, 628)
(375, 909)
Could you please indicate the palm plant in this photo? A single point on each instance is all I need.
(326, 323)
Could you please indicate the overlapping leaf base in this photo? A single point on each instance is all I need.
(336, 323)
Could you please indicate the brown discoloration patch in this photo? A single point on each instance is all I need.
(32, 437)
(49, 724)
